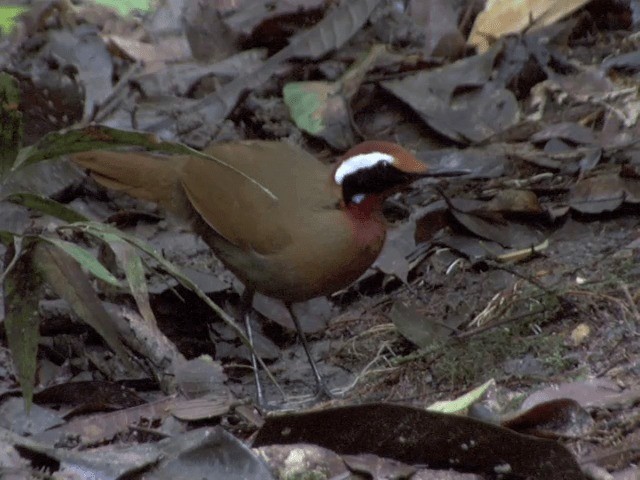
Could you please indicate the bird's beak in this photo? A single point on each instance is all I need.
(444, 173)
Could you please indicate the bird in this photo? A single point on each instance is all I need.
(286, 224)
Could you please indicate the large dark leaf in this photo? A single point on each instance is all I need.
(67, 279)
(413, 435)
(10, 122)
(460, 100)
(22, 288)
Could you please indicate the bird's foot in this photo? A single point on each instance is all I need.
(297, 402)
(323, 392)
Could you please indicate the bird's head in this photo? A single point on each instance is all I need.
(375, 169)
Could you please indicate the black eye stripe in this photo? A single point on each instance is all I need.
(378, 178)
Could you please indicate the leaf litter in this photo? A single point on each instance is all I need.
(522, 271)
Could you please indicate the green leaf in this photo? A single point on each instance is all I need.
(10, 122)
(98, 137)
(14, 243)
(6, 237)
(131, 263)
(46, 206)
(464, 402)
(306, 102)
(95, 137)
(66, 278)
(124, 7)
(106, 233)
(86, 259)
(133, 267)
(9, 15)
(321, 108)
(22, 289)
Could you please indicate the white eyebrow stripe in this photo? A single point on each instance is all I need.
(360, 162)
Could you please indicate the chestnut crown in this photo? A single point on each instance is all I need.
(375, 167)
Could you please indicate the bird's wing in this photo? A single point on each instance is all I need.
(233, 199)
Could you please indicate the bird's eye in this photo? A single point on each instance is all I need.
(358, 198)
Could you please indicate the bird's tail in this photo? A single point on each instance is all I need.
(141, 175)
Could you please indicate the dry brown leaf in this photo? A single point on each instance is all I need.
(502, 17)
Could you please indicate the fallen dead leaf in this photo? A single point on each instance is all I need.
(502, 17)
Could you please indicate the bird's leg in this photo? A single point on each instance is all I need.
(322, 390)
(246, 309)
